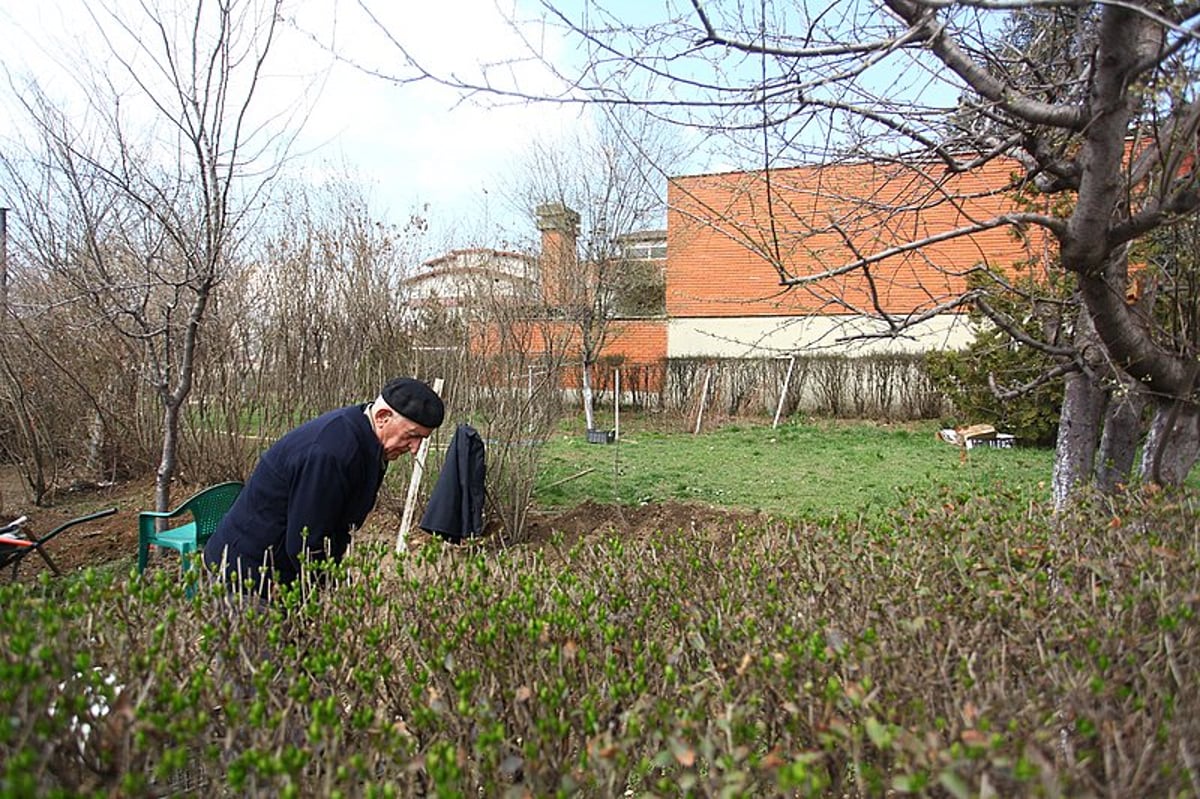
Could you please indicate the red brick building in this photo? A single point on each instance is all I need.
(729, 240)
(731, 236)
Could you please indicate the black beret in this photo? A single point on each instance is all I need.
(413, 399)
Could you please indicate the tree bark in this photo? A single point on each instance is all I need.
(95, 463)
(1119, 440)
(1124, 427)
(1090, 248)
(1079, 419)
(170, 448)
(1078, 430)
(588, 411)
(1173, 443)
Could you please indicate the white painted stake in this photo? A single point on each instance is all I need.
(787, 380)
(617, 403)
(703, 400)
(414, 483)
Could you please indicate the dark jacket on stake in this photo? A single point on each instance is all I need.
(455, 509)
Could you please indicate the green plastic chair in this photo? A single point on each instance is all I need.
(205, 509)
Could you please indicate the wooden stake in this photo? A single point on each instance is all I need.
(572, 477)
(787, 380)
(414, 483)
(703, 400)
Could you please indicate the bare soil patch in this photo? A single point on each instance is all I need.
(95, 543)
(643, 521)
(112, 540)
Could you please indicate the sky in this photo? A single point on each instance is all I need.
(415, 148)
(424, 143)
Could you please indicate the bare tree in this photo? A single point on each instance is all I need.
(592, 190)
(314, 319)
(140, 205)
(1101, 126)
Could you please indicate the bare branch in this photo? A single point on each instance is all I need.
(1045, 378)
(1017, 333)
(1017, 219)
(920, 18)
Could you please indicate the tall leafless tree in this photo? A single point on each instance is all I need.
(604, 173)
(139, 203)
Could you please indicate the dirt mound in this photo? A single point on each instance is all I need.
(94, 543)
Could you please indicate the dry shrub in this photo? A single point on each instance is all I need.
(895, 387)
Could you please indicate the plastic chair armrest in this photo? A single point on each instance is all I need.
(146, 518)
(154, 514)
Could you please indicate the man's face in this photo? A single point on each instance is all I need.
(398, 434)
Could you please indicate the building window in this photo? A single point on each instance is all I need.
(644, 250)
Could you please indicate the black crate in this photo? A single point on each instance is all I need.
(601, 436)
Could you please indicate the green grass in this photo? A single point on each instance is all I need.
(812, 471)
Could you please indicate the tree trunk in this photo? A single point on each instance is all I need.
(1173, 443)
(1080, 417)
(1123, 421)
(1078, 430)
(170, 449)
(173, 400)
(95, 462)
(1119, 441)
(588, 411)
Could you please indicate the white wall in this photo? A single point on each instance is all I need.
(766, 337)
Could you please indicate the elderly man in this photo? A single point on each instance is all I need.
(317, 484)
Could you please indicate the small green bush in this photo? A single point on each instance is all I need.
(967, 377)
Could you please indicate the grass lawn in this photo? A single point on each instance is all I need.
(812, 470)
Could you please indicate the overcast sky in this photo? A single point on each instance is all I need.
(422, 142)
(412, 144)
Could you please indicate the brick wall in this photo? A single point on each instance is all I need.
(722, 247)
(726, 236)
(630, 343)
(639, 341)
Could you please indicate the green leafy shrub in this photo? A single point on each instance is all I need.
(959, 646)
(967, 376)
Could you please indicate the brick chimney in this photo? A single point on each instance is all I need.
(559, 261)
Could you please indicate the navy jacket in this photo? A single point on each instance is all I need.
(308, 491)
(455, 508)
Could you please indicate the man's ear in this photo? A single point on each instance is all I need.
(382, 414)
